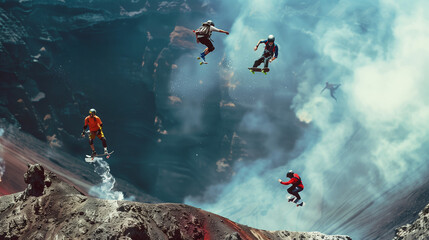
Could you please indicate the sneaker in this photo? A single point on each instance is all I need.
(105, 151)
(300, 204)
(93, 154)
(203, 56)
(291, 199)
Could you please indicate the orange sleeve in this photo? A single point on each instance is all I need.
(99, 122)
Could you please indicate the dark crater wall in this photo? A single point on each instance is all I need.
(58, 59)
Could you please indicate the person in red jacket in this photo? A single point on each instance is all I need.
(95, 129)
(296, 187)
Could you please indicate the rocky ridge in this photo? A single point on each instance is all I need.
(51, 209)
(419, 229)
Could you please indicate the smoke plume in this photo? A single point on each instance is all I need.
(353, 153)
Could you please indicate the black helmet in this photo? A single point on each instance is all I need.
(289, 174)
(92, 110)
(271, 38)
(210, 22)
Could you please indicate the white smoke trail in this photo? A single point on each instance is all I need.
(105, 189)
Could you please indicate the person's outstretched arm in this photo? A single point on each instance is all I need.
(219, 30)
(259, 42)
(84, 128)
(223, 31)
(291, 181)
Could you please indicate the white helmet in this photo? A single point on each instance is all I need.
(210, 22)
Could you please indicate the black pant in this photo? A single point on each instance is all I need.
(264, 58)
(295, 191)
(207, 42)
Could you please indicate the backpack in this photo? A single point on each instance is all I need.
(203, 30)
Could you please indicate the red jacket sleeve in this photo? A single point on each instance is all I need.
(291, 181)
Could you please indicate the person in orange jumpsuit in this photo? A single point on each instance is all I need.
(95, 129)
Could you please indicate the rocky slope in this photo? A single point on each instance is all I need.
(51, 209)
(419, 229)
(18, 149)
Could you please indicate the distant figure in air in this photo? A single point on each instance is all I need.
(203, 35)
(296, 187)
(332, 88)
(95, 129)
(271, 52)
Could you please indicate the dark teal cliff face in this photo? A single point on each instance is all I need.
(59, 59)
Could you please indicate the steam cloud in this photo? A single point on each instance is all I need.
(354, 152)
(105, 189)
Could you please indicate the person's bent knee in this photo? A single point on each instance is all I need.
(211, 49)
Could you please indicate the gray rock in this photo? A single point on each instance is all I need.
(35, 178)
(233, 236)
(419, 229)
(62, 212)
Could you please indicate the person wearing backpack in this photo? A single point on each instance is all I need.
(203, 35)
(271, 52)
(296, 187)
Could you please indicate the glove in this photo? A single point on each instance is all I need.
(98, 132)
(83, 133)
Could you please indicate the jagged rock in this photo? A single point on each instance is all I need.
(35, 178)
(62, 212)
(419, 229)
(233, 236)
